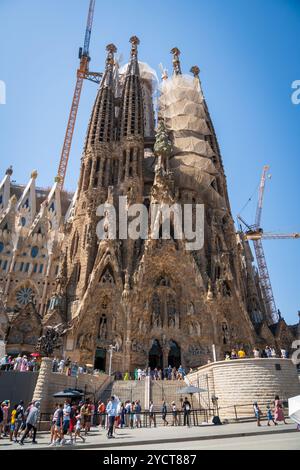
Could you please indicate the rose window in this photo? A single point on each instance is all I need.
(24, 295)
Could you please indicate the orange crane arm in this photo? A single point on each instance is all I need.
(64, 158)
(82, 73)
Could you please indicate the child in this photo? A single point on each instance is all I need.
(78, 428)
(257, 412)
(13, 424)
(270, 416)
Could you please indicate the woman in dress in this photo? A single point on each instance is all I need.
(278, 410)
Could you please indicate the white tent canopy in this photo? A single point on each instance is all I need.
(294, 409)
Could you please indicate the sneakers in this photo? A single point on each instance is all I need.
(21, 443)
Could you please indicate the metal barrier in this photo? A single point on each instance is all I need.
(245, 411)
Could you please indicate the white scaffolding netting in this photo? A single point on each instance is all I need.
(181, 105)
(146, 73)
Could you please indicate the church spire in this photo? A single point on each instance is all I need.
(176, 62)
(131, 118)
(101, 127)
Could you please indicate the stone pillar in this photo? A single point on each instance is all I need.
(147, 391)
(165, 357)
(41, 389)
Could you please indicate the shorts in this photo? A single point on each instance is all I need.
(12, 427)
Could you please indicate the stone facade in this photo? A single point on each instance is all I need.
(49, 383)
(31, 232)
(152, 299)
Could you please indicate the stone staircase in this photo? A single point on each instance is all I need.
(159, 390)
(166, 390)
(126, 390)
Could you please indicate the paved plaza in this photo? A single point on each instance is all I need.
(231, 436)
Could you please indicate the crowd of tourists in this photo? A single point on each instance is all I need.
(72, 422)
(267, 352)
(21, 363)
(19, 422)
(168, 373)
(68, 367)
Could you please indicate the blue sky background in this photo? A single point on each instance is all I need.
(248, 53)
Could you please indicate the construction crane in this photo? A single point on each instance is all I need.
(256, 234)
(82, 73)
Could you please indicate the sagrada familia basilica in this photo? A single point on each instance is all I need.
(155, 301)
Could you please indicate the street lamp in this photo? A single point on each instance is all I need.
(111, 348)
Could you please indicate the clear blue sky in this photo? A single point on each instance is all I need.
(248, 53)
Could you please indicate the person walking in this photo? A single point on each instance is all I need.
(20, 419)
(174, 414)
(138, 410)
(257, 413)
(151, 414)
(66, 421)
(164, 411)
(5, 409)
(186, 408)
(31, 422)
(78, 428)
(278, 411)
(57, 425)
(127, 413)
(102, 416)
(111, 410)
(270, 416)
(12, 428)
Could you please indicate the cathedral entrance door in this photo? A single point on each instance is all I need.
(100, 359)
(155, 356)
(174, 358)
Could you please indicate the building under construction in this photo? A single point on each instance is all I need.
(157, 303)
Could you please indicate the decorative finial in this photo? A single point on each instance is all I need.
(9, 171)
(111, 48)
(34, 174)
(135, 42)
(176, 62)
(162, 146)
(195, 70)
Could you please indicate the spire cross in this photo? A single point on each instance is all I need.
(134, 43)
(176, 62)
(195, 71)
(111, 49)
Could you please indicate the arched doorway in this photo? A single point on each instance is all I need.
(174, 358)
(155, 355)
(100, 359)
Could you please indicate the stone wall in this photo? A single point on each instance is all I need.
(16, 386)
(52, 382)
(238, 383)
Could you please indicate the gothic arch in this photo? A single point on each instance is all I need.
(107, 277)
(174, 357)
